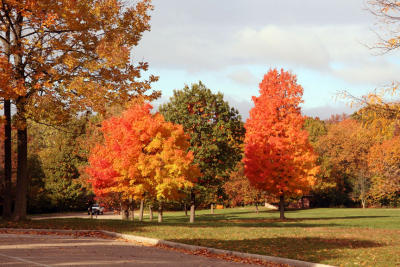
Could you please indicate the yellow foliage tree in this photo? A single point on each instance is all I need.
(67, 56)
(142, 155)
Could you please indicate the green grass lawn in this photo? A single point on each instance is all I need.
(343, 237)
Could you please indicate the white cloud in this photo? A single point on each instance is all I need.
(313, 46)
(244, 77)
(279, 44)
(204, 49)
(229, 42)
(379, 73)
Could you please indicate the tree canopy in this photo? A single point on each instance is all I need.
(62, 57)
(142, 155)
(278, 156)
(215, 129)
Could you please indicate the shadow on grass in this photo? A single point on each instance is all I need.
(311, 249)
(232, 223)
(223, 220)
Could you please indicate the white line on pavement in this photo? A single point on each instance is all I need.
(23, 260)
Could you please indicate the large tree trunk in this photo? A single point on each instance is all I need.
(7, 196)
(192, 207)
(212, 208)
(141, 210)
(22, 171)
(7, 204)
(282, 207)
(160, 212)
(22, 134)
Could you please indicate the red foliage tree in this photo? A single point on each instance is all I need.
(278, 157)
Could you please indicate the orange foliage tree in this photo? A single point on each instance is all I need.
(344, 150)
(384, 163)
(142, 155)
(64, 57)
(278, 157)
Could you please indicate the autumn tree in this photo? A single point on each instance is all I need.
(239, 191)
(216, 132)
(384, 163)
(63, 57)
(381, 122)
(345, 151)
(142, 155)
(330, 188)
(278, 156)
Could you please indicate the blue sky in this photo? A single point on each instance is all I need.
(230, 44)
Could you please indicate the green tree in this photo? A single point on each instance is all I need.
(216, 134)
(58, 154)
(315, 128)
(38, 196)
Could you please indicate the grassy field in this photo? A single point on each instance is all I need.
(342, 237)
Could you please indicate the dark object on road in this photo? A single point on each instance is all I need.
(95, 209)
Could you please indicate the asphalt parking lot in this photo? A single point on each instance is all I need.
(54, 250)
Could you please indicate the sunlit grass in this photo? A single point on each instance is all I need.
(347, 237)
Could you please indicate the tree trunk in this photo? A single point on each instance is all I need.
(131, 210)
(151, 212)
(282, 207)
(22, 169)
(192, 207)
(124, 212)
(192, 213)
(7, 195)
(363, 203)
(22, 133)
(141, 210)
(257, 208)
(185, 208)
(160, 212)
(212, 208)
(7, 204)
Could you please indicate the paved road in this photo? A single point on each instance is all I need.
(53, 250)
(84, 215)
